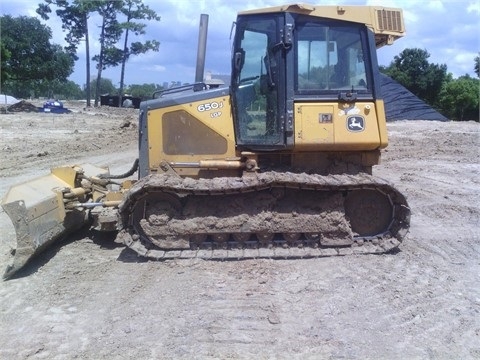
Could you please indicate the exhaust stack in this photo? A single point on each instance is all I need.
(202, 48)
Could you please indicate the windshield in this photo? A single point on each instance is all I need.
(329, 57)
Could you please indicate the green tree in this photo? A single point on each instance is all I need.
(412, 69)
(110, 33)
(459, 99)
(5, 56)
(135, 10)
(144, 91)
(33, 59)
(477, 65)
(62, 90)
(103, 86)
(68, 91)
(74, 18)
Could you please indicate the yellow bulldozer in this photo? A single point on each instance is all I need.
(277, 164)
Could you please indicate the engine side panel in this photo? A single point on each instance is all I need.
(188, 131)
(339, 127)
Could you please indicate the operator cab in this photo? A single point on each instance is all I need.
(280, 58)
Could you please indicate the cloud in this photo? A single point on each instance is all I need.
(474, 7)
(447, 29)
(155, 68)
(436, 5)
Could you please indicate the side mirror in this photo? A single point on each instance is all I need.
(239, 59)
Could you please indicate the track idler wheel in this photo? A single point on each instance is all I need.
(265, 238)
(241, 237)
(198, 239)
(370, 212)
(291, 238)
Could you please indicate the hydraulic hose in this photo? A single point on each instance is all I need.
(121, 176)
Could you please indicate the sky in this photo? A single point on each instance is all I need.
(449, 30)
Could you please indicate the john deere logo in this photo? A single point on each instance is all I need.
(355, 123)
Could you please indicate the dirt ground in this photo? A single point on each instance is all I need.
(88, 298)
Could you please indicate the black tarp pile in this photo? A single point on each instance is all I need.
(401, 104)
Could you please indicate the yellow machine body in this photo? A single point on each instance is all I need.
(192, 141)
(304, 104)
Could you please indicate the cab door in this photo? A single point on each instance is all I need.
(258, 72)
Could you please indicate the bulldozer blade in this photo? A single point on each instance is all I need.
(37, 212)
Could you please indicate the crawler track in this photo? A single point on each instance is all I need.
(264, 215)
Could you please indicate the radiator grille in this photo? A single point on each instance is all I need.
(389, 20)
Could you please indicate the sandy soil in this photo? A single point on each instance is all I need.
(88, 298)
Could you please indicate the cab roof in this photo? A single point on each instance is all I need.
(386, 23)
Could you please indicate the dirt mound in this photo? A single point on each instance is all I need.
(22, 106)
